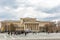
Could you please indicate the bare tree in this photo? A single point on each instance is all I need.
(49, 27)
(11, 28)
(46, 27)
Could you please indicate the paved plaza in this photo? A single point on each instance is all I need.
(30, 36)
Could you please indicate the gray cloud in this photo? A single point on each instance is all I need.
(6, 15)
(54, 11)
(26, 4)
(49, 10)
(10, 3)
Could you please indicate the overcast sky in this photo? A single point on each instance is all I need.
(42, 9)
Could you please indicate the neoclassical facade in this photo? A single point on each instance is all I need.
(31, 24)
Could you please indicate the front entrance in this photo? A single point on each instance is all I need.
(32, 26)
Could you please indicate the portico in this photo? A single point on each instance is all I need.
(32, 26)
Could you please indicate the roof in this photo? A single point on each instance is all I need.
(11, 21)
(45, 22)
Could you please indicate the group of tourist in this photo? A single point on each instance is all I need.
(19, 32)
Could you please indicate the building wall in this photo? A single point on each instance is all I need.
(26, 23)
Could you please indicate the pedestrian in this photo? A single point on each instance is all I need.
(26, 31)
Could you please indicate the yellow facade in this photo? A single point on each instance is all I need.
(25, 23)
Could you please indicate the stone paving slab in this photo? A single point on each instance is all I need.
(38, 36)
(27, 39)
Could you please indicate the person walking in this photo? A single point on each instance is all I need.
(26, 31)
